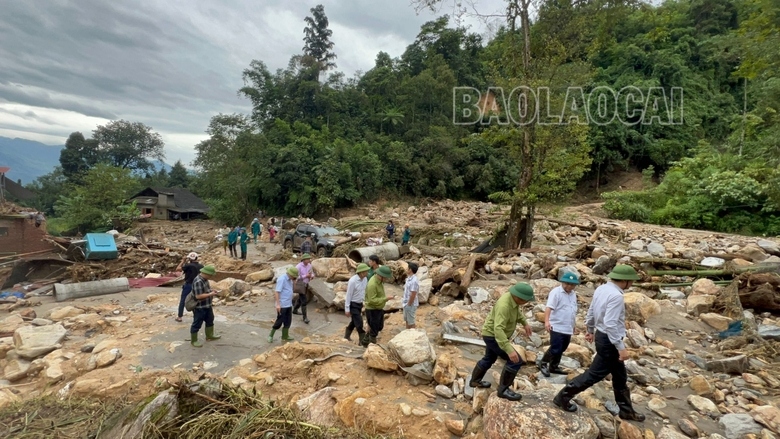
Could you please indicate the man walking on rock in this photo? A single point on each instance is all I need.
(284, 293)
(496, 332)
(411, 301)
(203, 312)
(305, 275)
(353, 303)
(606, 323)
(191, 267)
(559, 320)
(375, 303)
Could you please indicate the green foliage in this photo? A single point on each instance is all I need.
(101, 201)
(128, 145)
(48, 189)
(178, 177)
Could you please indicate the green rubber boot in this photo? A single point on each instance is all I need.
(286, 335)
(194, 340)
(210, 334)
(271, 336)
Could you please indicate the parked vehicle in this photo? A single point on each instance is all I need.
(323, 239)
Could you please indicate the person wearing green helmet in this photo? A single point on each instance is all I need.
(305, 275)
(375, 303)
(203, 312)
(497, 332)
(606, 323)
(559, 318)
(353, 303)
(284, 295)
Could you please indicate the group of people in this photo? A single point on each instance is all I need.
(390, 230)
(236, 238)
(605, 322)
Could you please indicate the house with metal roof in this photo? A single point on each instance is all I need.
(170, 203)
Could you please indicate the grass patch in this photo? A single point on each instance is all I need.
(51, 417)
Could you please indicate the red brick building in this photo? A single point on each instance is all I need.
(18, 235)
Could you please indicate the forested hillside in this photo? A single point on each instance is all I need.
(315, 139)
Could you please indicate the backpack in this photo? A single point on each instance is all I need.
(190, 302)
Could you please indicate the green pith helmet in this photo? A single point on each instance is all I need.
(209, 269)
(570, 278)
(305, 256)
(523, 291)
(361, 268)
(623, 272)
(385, 272)
(292, 272)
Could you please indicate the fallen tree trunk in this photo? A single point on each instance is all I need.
(466, 281)
(723, 272)
(581, 252)
(682, 263)
(590, 227)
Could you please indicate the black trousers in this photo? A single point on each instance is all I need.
(492, 352)
(185, 291)
(200, 316)
(376, 321)
(606, 362)
(233, 251)
(558, 344)
(355, 310)
(283, 317)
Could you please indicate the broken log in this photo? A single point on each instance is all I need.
(88, 289)
(724, 272)
(682, 263)
(658, 285)
(466, 281)
(451, 275)
(582, 252)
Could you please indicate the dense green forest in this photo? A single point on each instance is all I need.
(314, 140)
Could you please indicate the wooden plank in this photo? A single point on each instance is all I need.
(469, 340)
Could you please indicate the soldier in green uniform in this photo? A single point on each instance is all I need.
(497, 332)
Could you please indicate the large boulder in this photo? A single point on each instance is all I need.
(754, 252)
(332, 269)
(737, 425)
(715, 320)
(700, 304)
(426, 285)
(445, 372)
(235, 287)
(579, 353)
(37, 341)
(376, 358)
(542, 287)
(769, 246)
(280, 271)
(537, 419)
(11, 323)
(319, 407)
(413, 347)
(639, 307)
(767, 415)
(64, 312)
(263, 275)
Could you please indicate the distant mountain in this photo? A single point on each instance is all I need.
(29, 159)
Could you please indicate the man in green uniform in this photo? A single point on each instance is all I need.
(375, 303)
(497, 332)
(243, 239)
(255, 229)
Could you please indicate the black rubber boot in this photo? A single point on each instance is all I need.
(476, 378)
(504, 387)
(563, 398)
(554, 366)
(372, 339)
(545, 369)
(303, 311)
(363, 339)
(295, 309)
(348, 334)
(627, 412)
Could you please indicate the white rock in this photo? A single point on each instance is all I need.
(703, 405)
(444, 391)
(413, 347)
(478, 294)
(712, 262)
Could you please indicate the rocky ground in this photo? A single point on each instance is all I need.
(688, 380)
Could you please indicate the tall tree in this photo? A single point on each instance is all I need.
(318, 45)
(78, 156)
(128, 145)
(178, 177)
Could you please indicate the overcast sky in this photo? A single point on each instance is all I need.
(70, 65)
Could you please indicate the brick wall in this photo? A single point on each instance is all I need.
(19, 235)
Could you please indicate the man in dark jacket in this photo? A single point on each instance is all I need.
(191, 267)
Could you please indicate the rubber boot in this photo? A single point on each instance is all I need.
(271, 335)
(194, 340)
(544, 368)
(476, 378)
(627, 412)
(554, 366)
(372, 339)
(210, 334)
(505, 383)
(305, 318)
(563, 398)
(286, 335)
(364, 339)
(348, 334)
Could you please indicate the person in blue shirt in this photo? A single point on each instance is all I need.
(390, 230)
(284, 296)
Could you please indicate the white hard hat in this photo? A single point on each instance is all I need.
(192, 256)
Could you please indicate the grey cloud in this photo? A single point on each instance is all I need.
(41, 98)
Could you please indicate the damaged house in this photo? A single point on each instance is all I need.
(170, 204)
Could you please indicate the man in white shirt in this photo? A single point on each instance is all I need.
(353, 303)
(606, 322)
(411, 301)
(559, 320)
